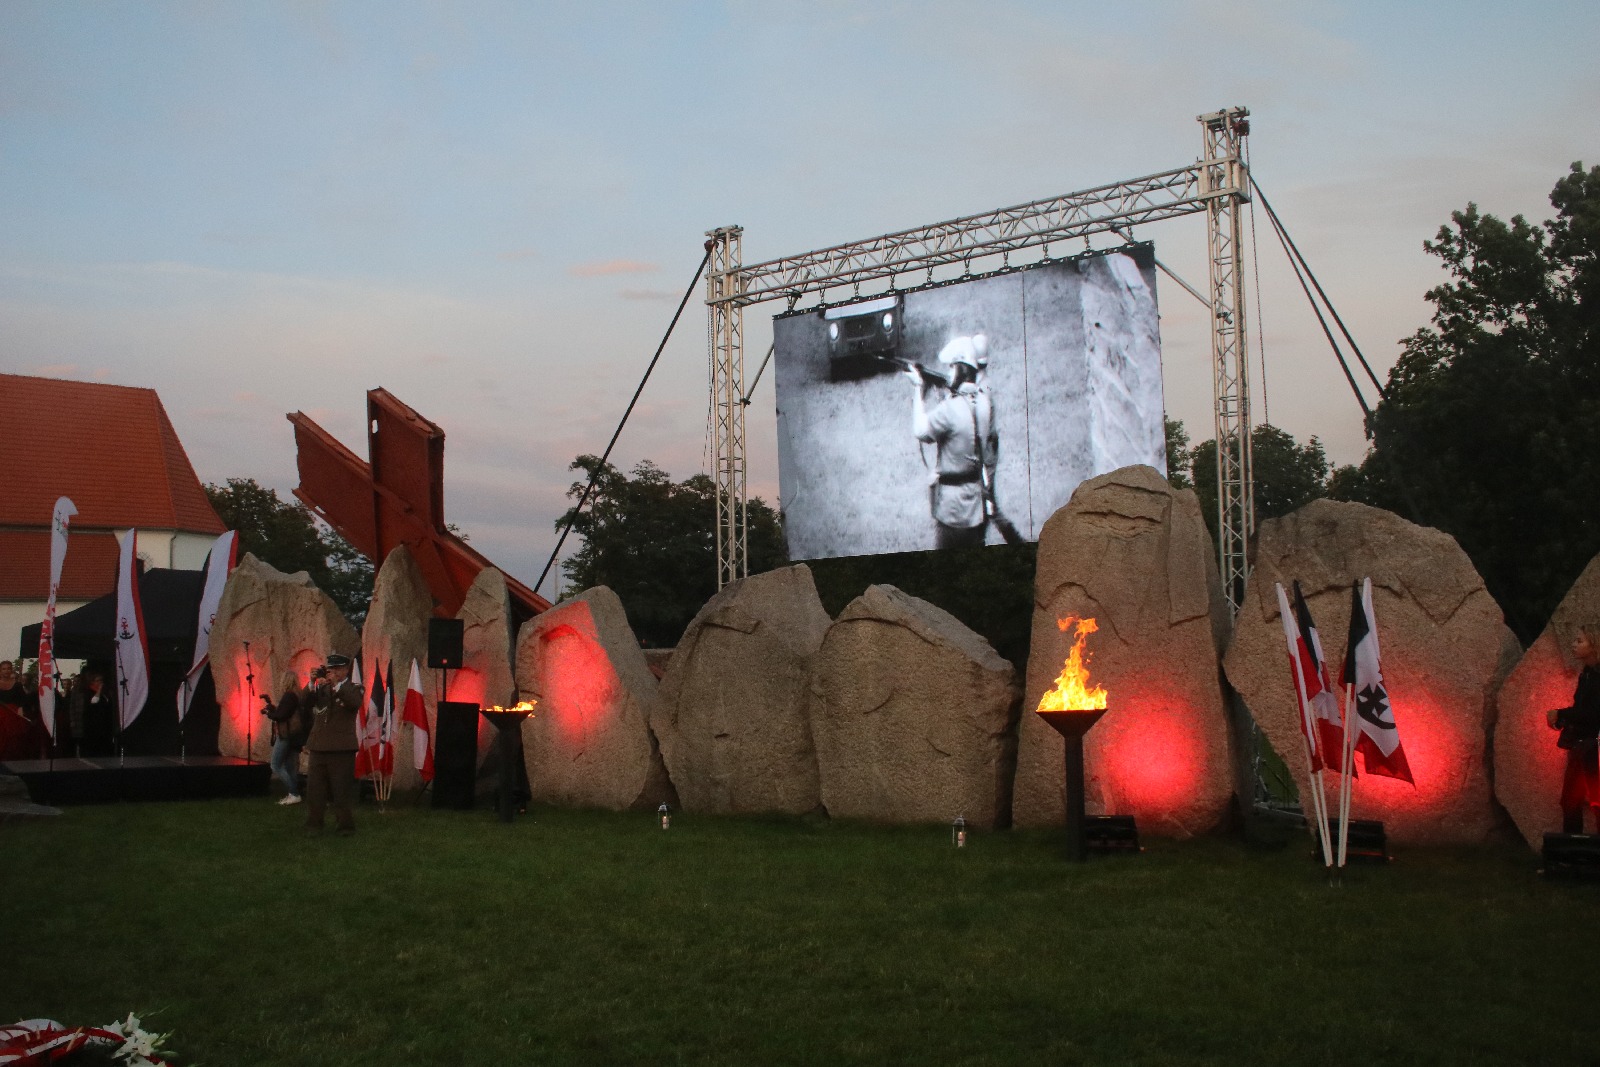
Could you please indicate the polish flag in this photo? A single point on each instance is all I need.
(417, 715)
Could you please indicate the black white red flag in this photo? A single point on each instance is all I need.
(220, 561)
(49, 671)
(369, 755)
(1377, 738)
(133, 654)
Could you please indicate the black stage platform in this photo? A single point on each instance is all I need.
(100, 781)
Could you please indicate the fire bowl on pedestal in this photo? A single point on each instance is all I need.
(508, 721)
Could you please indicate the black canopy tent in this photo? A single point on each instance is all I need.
(170, 604)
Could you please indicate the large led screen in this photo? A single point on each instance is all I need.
(966, 413)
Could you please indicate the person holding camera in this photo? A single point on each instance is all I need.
(1580, 726)
(331, 770)
(288, 735)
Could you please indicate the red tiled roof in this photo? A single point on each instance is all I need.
(90, 569)
(111, 448)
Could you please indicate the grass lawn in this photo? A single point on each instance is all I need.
(586, 937)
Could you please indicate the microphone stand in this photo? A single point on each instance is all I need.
(122, 702)
(249, 721)
(183, 746)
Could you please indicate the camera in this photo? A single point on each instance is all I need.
(319, 672)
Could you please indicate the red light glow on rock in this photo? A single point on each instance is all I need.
(579, 683)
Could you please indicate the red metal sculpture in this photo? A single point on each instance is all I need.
(396, 499)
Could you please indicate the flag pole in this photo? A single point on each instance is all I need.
(1319, 799)
(1346, 777)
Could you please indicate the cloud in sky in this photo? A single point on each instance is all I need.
(611, 266)
(302, 202)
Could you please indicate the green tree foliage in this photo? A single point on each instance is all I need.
(1286, 474)
(1179, 455)
(288, 537)
(652, 541)
(1490, 426)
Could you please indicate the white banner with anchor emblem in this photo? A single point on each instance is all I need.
(219, 564)
(133, 654)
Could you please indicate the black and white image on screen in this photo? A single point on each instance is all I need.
(965, 414)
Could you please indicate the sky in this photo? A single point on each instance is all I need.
(491, 209)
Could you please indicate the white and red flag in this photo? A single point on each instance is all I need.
(1377, 738)
(133, 652)
(369, 744)
(1307, 683)
(220, 561)
(1321, 702)
(49, 672)
(416, 713)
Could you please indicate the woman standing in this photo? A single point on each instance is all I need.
(287, 736)
(1579, 725)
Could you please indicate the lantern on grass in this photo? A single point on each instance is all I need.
(958, 831)
(666, 816)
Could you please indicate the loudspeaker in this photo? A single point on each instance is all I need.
(1573, 854)
(1368, 841)
(455, 755)
(444, 643)
(1111, 833)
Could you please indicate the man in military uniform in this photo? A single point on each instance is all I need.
(962, 428)
(331, 771)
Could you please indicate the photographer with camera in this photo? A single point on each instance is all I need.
(331, 774)
(288, 734)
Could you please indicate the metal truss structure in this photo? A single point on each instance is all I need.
(1216, 184)
(725, 333)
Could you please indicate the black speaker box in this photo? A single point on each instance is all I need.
(1111, 833)
(444, 643)
(1368, 841)
(1572, 854)
(455, 755)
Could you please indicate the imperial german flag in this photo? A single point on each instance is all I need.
(1377, 739)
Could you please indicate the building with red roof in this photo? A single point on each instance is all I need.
(113, 451)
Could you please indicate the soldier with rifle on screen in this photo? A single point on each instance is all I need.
(962, 428)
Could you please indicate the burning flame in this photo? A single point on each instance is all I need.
(1072, 692)
(521, 705)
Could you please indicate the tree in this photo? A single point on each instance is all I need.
(287, 537)
(1285, 474)
(1489, 428)
(1179, 455)
(652, 541)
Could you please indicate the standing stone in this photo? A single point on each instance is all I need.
(290, 624)
(488, 641)
(395, 632)
(913, 715)
(1528, 767)
(1132, 553)
(1444, 643)
(589, 744)
(732, 726)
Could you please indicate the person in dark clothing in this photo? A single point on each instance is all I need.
(19, 716)
(1580, 725)
(98, 736)
(331, 770)
(286, 742)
